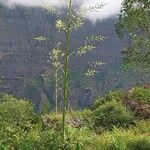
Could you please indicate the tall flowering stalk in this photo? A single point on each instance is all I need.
(74, 19)
(55, 59)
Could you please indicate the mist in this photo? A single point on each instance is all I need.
(111, 8)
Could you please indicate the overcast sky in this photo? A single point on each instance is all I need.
(111, 8)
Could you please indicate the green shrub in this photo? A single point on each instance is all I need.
(111, 114)
(14, 111)
(43, 140)
(141, 127)
(121, 139)
(87, 118)
(21, 130)
(84, 136)
(6, 97)
(36, 138)
(83, 118)
(141, 144)
(117, 144)
(111, 96)
(52, 121)
(140, 94)
(114, 96)
(16, 119)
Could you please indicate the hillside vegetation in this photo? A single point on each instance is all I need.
(116, 121)
(66, 86)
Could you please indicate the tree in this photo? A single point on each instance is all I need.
(134, 21)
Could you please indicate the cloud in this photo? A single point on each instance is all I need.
(33, 3)
(111, 8)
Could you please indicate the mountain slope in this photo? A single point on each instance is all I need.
(28, 58)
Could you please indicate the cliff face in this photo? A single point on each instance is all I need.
(27, 57)
(18, 27)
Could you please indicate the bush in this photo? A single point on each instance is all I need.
(141, 144)
(111, 114)
(52, 121)
(138, 100)
(16, 119)
(43, 140)
(14, 111)
(140, 94)
(20, 127)
(111, 96)
(120, 139)
(141, 127)
(85, 137)
(80, 119)
(6, 97)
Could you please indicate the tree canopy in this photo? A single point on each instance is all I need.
(134, 21)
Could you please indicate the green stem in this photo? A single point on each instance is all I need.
(56, 91)
(66, 71)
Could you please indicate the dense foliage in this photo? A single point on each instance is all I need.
(135, 22)
(109, 124)
(117, 121)
(139, 94)
(112, 114)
